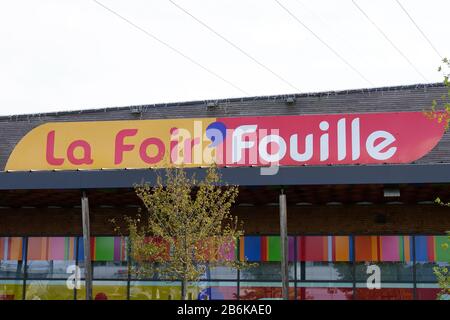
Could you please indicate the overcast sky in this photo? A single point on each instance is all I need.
(58, 55)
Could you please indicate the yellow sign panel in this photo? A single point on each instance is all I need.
(113, 144)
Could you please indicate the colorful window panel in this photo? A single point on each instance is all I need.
(155, 290)
(383, 248)
(51, 248)
(48, 290)
(11, 289)
(263, 291)
(105, 249)
(104, 290)
(324, 248)
(430, 249)
(263, 248)
(11, 248)
(207, 251)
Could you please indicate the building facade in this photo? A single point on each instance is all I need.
(360, 170)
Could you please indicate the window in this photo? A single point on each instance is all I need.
(105, 290)
(48, 290)
(342, 271)
(155, 290)
(49, 257)
(109, 257)
(325, 291)
(263, 291)
(11, 289)
(320, 268)
(11, 265)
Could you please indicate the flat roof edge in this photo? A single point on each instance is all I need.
(244, 176)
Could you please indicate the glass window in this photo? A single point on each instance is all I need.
(48, 290)
(424, 271)
(213, 290)
(389, 271)
(50, 257)
(325, 291)
(110, 269)
(220, 273)
(387, 292)
(324, 248)
(266, 271)
(263, 291)
(104, 290)
(11, 289)
(150, 271)
(109, 257)
(328, 271)
(264, 248)
(427, 293)
(430, 253)
(11, 265)
(155, 290)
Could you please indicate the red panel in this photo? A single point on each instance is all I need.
(384, 294)
(361, 139)
(256, 293)
(427, 293)
(363, 248)
(325, 293)
(312, 248)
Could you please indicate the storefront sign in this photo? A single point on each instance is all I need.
(262, 141)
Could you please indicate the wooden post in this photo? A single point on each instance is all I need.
(87, 246)
(284, 247)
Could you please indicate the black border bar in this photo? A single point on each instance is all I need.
(244, 176)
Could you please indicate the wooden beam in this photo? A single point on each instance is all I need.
(284, 247)
(87, 246)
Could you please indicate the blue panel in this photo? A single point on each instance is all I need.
(421, 248)
(80, 253)
(252, 248)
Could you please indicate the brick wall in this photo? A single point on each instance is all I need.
(346, 219)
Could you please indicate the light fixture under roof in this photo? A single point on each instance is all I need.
(364, 203)
(391, 193)
(394, 202)
(334, 203)
(425, 202)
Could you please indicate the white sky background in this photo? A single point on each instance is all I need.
(58, 55)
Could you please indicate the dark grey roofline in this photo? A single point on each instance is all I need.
(219, 101)
(244, 176)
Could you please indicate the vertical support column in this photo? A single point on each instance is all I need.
(87, 246)
(284, 247)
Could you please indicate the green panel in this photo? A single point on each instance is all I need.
(274, 247)
(401, 248)
(442, 251)
(104, 248)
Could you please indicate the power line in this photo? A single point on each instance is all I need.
(389, 40)
(331, 28)
(234, 45)
(420, 30)
(171, 48)
(323, 42)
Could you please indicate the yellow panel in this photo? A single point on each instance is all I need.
(97, 144)
(48, 290)
(11, 290)
(105, 290)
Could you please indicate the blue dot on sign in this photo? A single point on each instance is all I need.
(216, 132)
